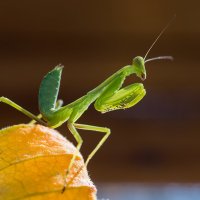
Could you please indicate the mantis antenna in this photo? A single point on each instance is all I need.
(160, 34)
(160, 58)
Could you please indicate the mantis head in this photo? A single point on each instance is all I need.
(139, 67)
(139, 62)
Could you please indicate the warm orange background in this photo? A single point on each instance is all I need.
(157, 140)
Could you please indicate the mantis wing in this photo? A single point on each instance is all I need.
(48, 91)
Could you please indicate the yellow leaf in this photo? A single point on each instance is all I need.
(33, 164)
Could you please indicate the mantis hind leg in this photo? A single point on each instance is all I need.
(33, 121)
(24, 111)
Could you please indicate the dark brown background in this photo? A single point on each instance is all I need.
(156, 141)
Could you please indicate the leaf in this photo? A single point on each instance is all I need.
(33, 164)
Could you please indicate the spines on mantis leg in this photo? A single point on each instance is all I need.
(48, 91)
(122, 99)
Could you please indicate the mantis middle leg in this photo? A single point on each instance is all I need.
(97, 129)
(79, 144)
(79, 141)
(73, 129)
(74, 126)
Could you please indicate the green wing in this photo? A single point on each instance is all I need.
(48, 91)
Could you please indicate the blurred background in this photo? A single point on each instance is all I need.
(153, 144)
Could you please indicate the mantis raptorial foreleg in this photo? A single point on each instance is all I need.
(121, 99)
(24, 111)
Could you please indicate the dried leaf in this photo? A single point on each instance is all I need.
(33, 164)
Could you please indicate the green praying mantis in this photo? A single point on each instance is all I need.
(108, 96)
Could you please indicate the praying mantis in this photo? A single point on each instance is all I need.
(107, 96)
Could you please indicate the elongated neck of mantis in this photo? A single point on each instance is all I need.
(114, 82)
(119, 75)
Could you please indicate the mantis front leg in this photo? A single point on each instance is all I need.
(24, 111)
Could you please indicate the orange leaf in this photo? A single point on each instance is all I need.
(33, 164)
